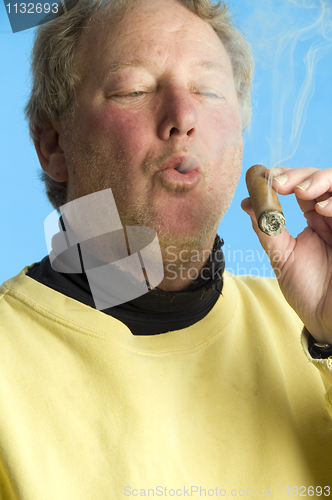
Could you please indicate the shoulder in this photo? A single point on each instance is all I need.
(253, 286)
(260, 298)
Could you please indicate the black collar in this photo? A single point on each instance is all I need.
(155, 312)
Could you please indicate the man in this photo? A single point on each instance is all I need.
(184, 391)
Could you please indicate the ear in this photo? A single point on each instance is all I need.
(50, 153)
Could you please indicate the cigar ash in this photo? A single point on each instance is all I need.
(272, 222)
(265, 202)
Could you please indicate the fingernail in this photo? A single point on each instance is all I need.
(323, 204)
(275, 171)
(305, 184)
(282, 179)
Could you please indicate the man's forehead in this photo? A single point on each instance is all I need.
(194, 46)
(134, 22)
(150, 64)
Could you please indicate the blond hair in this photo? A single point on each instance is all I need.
(55, 75)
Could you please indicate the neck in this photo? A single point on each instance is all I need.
(184, 262)
(184, 266)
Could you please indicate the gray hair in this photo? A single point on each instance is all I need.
(56, 77)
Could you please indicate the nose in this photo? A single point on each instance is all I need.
(178, 116)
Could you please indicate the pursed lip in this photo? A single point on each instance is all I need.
(180, 173)
(177, 161)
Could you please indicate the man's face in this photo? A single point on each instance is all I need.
(157, 93)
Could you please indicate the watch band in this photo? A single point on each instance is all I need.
(319, 350)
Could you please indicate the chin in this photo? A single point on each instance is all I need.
(180, 226)
(184, 237)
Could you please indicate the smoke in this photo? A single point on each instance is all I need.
(285, 137)
(292, 43)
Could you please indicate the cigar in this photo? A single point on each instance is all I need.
(265, 202)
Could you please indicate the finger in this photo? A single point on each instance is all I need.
(307, 183)
(321, 225)
(274, 172)
(315, 185)
(324, 207)
(246, 205)
(285, 179)
(308, 205)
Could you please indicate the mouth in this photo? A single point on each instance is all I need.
(188, 165)
(181, 172)
(182, 164)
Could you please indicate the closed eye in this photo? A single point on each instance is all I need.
(131, 95)
(209, 94)
(138, 93)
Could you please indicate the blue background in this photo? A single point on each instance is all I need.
(24, 205)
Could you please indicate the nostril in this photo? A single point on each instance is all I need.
(173, 131)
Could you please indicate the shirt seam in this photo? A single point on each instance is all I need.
(85, 330)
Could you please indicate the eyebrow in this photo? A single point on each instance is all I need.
(213, 65)
(147, 63)
(119, 66)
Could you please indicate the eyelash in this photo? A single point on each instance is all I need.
(141, 93)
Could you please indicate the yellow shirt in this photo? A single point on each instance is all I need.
(228, 406)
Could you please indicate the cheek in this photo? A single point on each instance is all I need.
(222, 132)
(122, 131)
(228, 126)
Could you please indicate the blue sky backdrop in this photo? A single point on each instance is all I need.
(291, 98)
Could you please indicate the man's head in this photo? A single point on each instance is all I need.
(150, 85)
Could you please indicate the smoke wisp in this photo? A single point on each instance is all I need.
(286, 134)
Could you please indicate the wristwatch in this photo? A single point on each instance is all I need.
(319, 350)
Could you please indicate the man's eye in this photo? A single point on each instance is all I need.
(138, 93)
(209, 94)
(130, 95)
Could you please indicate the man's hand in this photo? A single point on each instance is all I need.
(303, 265)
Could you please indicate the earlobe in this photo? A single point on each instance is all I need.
(51, 155)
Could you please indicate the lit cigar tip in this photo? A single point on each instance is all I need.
(272, 222)
(265, 202)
